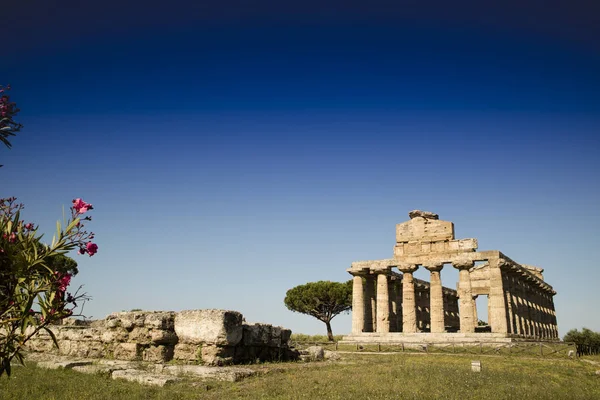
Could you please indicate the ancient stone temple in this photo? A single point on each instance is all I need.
(390, 304)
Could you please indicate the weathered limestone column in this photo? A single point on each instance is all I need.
(383, 303)
(554, 320)
(393, 304)
(436, 298)
(399, 306)
(530, 313)
(542, 310)
(532, 309)
(509, 303)
(358, 305)
(514, 294)
(525, 317)
(465, 294)
(409, 313)
(498, 314)
(369, 299)
(547, 315)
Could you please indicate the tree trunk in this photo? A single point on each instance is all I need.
(329, 332)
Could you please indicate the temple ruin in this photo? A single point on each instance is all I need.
(394, 306)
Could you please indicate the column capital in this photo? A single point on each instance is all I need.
(407, 268)
(434, 266)
(463, 263)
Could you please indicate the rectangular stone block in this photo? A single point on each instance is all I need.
(420, 229)
(127, 351)
(158, 353)
(257, 334)
(217, 355)
(163, 337)
(160, 320)
(140, 335)
(117, 334)
(187, 352)
(219, 327)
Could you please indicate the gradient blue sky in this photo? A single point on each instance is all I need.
(235, 151)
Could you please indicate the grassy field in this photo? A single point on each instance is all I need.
(355, 376)
(302, 338)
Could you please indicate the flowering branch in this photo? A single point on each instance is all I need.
(8, 110)
(33, 294)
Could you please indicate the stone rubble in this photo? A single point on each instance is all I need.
(208, 337)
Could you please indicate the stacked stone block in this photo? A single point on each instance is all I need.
(210, 337)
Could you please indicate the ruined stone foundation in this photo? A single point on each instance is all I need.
(210, 337)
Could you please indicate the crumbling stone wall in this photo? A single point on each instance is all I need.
(211, 337)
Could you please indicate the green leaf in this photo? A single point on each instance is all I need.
(72, 224)
(20, 358)
(52, 336)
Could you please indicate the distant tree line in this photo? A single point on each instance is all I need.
(587, 341)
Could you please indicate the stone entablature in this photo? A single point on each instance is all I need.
(520, 302)
(210, 337)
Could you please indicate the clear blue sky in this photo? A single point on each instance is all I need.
(233, 152)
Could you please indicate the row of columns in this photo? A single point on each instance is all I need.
(530, 307)
(518, 304)
(363, 311)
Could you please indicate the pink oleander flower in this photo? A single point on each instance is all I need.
(81, 206)
(91, 248)
(63, 282)
(29, 226)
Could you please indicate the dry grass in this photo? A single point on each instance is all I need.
(356, 376)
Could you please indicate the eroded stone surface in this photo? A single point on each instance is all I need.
(312, 353)
(421, 229)
(62, 364)
(143, 377)
(211, 337)
(230, 374)
(218, 327)
(424, 214)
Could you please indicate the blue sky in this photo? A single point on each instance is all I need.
(234, 152)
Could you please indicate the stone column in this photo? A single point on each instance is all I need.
(393, 304)
(532, 309)
(409, 314)
(399, 306)
(465, 295)
(498, 314)
(509, 304)
(436, 298)
(514, 293)
(526, 322)
(542, 310)
(553, 311)
(369, 299)
(383, 303)
(358, 305)
(546, 313)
